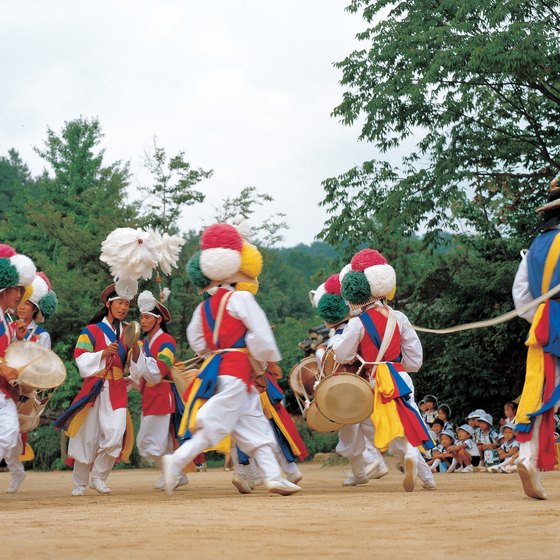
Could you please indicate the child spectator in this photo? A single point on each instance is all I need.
(508, 451)
(437, 428)
(487, 440)
(472, 421)
(510, 410)
(442, 459)
(465, 451)
(444, 414)
(430, 414)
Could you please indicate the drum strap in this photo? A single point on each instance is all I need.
(387, 337)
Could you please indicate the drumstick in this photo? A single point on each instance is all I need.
(20, 369)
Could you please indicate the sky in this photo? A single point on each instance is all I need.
(245, 88)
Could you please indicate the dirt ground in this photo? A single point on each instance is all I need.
(470, 515)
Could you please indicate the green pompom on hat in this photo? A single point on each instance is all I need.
(48, 304)
(332, 308)
(196, 276)
(9, 276)
(356, 288)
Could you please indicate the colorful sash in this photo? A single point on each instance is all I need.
(539, 394)
(393, 415)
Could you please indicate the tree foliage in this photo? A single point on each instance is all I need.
(476, 86)
(174, 188)
(269, 232)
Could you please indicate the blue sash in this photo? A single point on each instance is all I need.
(109, 333)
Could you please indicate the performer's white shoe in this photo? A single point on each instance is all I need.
(169, 479)
(531, 479)
(15, 481)
(429, 485)
(410, 472)
(78, 490)
(377, 469)
(282, 486)
(241, 482)
(295, 476)
(99, 485)
(181, 481)
(351, 480)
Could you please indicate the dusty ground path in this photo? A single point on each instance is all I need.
(471, 515)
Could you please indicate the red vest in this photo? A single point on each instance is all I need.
(369, 347)
(158, 399)
(117, 385)
(231, 334)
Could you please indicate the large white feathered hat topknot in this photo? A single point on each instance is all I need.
(368, 277)
(15, 270)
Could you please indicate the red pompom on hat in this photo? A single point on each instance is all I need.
(222, 236)
(6, 251)
(366, 258)
(332, 285)
(44, 277)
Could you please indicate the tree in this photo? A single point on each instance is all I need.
(14, 177)
(173, 188)
(246, 204)
(477, 86)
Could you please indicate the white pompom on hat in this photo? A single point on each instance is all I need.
(40, 287)
(219, 263)
(316, 295)
(25, 268)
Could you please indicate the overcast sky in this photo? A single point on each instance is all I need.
(242, 87)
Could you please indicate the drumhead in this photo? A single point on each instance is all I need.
(303, 376)
(318, 422)
(345, 398)
(40, 367)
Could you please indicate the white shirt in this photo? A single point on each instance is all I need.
(146, 367)
(521, 292)
(259, 338)
(44, 338)
(347, 344)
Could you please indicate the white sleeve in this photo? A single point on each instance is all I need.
(259, 338)
(44, 339)
(411, 347)
(90, 363)
(521, 292)
(195, 333)
(346, 345)
(145, 367)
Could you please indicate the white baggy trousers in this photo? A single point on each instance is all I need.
(232, 410)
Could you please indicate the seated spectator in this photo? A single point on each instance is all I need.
(441, 458)
(510, 410)
(465, 450)
(472, 421)
(508, 451)
(430, 414)
(444, 414)
(437, 428)
(487, 440)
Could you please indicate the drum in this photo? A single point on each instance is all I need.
(345, 398)
(317, 421)
(41, 372)
(184, 373)
(303, 376)
(329, 365)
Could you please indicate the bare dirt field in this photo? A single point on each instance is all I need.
(470, 515)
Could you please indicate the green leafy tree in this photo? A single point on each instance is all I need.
(174, 187)
(476, 86)
(246, 204)
(14, 176)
